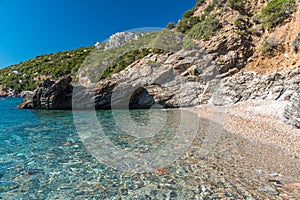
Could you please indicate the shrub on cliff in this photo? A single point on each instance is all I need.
(276, 11)
(205, 29)
(189, 13)
(272, 46)
(186, 24)
(296, 43)
(170, 25)
(235, 4)
(200, 2)
(188, 19)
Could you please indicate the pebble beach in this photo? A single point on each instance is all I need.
(271, 143)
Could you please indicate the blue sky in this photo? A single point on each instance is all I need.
(34, 27)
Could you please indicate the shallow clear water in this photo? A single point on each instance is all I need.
(36, 160)
(55, 155)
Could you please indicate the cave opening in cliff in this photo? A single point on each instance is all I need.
(141, 99)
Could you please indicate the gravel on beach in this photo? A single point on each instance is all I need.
(274, 146)
(259, 120)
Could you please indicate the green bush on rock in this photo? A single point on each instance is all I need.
(205, 29)
(235, 4)
(170, 25)
(276, 11)
(296, 43)
(186, 24)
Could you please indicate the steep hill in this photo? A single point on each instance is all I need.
(26, 75)
(241, 35)
(261, 36)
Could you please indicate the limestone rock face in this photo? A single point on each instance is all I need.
(121, 38)
(7, 93)
(168, 80)
(292, 110)
(24, 94)
(3, 93)
(250, 85)
(182, 79)
(51, 95)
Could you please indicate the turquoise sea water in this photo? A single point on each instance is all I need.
(36, 161)
(43, 155)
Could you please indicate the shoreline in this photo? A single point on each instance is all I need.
(257, 120)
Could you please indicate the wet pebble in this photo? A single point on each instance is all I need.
(80, 193)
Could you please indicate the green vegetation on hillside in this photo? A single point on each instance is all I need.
(104, 63)
(205, 29)
(188, 19)
(26, 75)
(202, 27)
(276, 11)
(92, 63)
(128, 58)
(98, 63)
(236, 4)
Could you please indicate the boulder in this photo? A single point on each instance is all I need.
(51, 95)
(7, 93)
(292, 110)
(24, 94)
(244, 86)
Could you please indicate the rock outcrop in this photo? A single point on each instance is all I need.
(12, 93)
(182, 79)
(25, 94)
(170, 80)
(7, 93)
(250, 85)
(51, 95)
(292, 110)
(120, 39)
(222, 74)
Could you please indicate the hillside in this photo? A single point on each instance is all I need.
(240, 35)
(261, 36)
(26, 75)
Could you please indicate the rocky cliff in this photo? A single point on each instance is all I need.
(51, 95)
(170, 80)
(182, 79)
(259, 36)
(245, 86)
(243, 52)
(120, 39)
